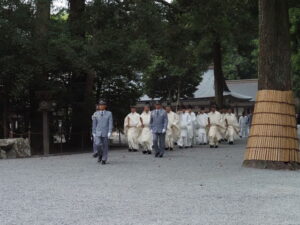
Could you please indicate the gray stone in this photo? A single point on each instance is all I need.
(3, 154)
(15, 147)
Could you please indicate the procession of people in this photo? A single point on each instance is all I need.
(162, 128)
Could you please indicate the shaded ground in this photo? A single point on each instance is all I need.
(195, 186)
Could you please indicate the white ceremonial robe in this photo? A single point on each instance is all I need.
(222, 128)
(192, 129)
(232, 129)
(173, 130)
(244, 126)
(214, 129)
(146, 137)
(131, 129)
(202, 120)
(184, 121)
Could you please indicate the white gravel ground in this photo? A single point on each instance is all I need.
(195, 186)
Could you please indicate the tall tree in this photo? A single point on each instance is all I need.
(41, 33)
(273, 139)
(82, 81)
(212, 24)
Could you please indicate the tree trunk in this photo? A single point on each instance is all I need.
(77, 27)
(274, 71)
(220, 84)
(82, 82)
(5, 115)
(41, 39)
(42, 22)
(273, 142)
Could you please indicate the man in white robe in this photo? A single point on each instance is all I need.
(202, 120)
(179, 114)
(232, 127)
(214, 124)
(222, 129)
(131, 129)
(146, 137)
(191, 127)
(184, 121)
(244, 125)
(173, 130)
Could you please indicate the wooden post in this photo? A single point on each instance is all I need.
(45, 133)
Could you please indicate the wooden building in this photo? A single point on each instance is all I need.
(241, 96)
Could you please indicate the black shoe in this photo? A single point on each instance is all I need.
(211, 146)
(149, 152)
(216, 146)
(95, 155)
(180, 147)
(161, 155)
(166, 149)
(135, 150)
(100, 159)
(130, 150)
(156, 154)
(171, 149)
(231, 142)
(144, 152)
(103, 162)
(186, 147)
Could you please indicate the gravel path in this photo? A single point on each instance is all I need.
(187, 187)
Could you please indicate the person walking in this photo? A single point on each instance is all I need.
(132, 129)
(173, 130)
(232, 127)
(158, 125)
(214, 124)
(102, 125)
(202, 120)
(244, 125)
(145, 138)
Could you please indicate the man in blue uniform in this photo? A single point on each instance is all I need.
(158, 125)
(101, 129)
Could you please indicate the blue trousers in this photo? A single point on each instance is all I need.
(101, 143)
(95, 148)
(159, 142)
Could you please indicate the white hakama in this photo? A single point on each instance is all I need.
(132, 130)
(214, 129)
(244, 126)
(173, 130)
(232, 129)
(184, 121)
(146, 137)
(202, 120)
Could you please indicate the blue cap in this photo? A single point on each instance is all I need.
(102, 102)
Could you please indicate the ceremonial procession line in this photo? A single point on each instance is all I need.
(161, 129)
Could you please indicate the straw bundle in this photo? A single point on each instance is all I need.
(273, 141)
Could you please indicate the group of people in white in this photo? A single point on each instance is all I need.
(186, 128)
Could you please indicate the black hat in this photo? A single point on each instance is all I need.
(102, 102)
